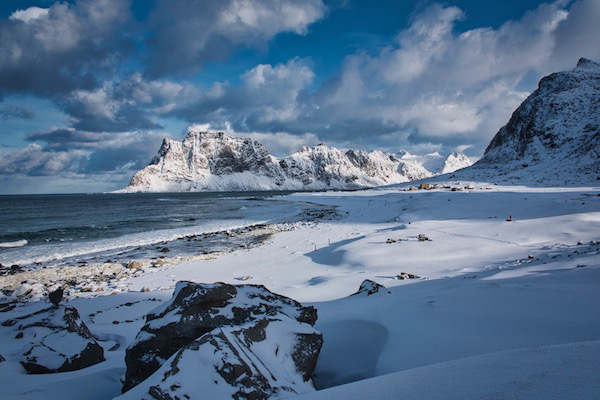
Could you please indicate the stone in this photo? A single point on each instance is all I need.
(264, 358)
(422, 238)
(369, 287)
(135, 265)
(56, 296)
(197, 309)
(57, 340)
(406, 275)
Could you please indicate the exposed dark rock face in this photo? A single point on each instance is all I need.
(197, 309)
(555, 132)
(56, 340)
(265, 358)
(369, 287)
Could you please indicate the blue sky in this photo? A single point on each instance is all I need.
(90, 88)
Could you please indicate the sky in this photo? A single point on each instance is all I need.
(89, 88)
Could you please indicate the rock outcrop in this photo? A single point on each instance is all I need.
(239, 337)
(55, 339)
(217, 161)
(369, 287)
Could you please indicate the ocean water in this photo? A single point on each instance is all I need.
(80, 228)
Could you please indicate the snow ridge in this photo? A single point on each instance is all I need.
(553, 136)
(216, 161)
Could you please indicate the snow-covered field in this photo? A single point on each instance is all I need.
(501, 309)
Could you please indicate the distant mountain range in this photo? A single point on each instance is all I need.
(216, 161)
(553, 137)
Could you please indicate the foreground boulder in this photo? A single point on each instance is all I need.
(244, 322)
(55, 339)
(266, 358)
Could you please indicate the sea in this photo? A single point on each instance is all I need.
(77, 229)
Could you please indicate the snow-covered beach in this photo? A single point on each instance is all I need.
(521, 294)
(228, 200)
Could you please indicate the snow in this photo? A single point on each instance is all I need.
(215, 161)
(552, 138)
(505, 309)
(566, 371)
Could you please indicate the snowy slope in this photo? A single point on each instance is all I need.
(566, 371)
(502, 309)
(215, 161)
(554, 135)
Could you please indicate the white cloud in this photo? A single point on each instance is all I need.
(211, 30)
(29, 14)
(35, 161)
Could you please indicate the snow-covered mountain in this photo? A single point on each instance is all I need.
(553, 137)
(216, 161)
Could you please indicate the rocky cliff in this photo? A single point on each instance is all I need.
(215, 161)
(553, 136)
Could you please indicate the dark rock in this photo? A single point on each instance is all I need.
(56, 296)
(406, 275)
(57, 341)
(165, 250)
(13, 269)
(257, 360)
(8, 306)
(197, 309)
(369, 287)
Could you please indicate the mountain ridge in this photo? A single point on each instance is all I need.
(217, 161)
(553, 137)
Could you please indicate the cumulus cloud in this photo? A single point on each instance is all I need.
(268, 96)
(54, 50)
(127, 104)
(431, 86)
(34, 160)
(210, 30)
(104, 151)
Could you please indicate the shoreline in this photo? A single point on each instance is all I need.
(23, 284)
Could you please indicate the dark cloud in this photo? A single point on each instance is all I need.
(49, 51)
(125, 105)
(90, 152)
(36, 161)
(189, 33)
(8, 111)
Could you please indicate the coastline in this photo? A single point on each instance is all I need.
(108, 278)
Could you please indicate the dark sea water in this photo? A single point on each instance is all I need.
(60, 229)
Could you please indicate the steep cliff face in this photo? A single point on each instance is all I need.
(215, 161)
(554, 135)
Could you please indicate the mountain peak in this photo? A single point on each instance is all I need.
(587, 64)
(554, 133)
(217, 161)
